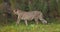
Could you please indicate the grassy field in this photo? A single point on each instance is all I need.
(51, 27)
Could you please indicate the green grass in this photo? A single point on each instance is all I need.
(31, 28)
(53, 26)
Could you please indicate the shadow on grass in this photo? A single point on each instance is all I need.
(53, 21)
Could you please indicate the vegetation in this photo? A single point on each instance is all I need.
(31, 28)
(51, 27)
(50, 9)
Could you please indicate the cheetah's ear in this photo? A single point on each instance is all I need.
(16, 10)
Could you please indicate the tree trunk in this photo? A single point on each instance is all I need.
(48, 8)
(56, 13)
(6, 10)
(7, 7)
